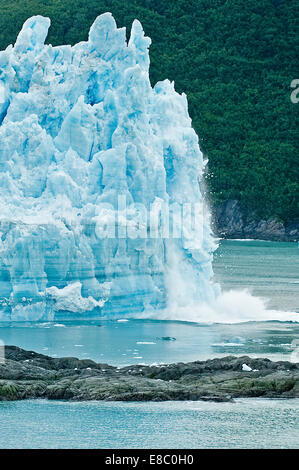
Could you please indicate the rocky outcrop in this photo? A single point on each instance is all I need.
(230, 222)
(26, 374)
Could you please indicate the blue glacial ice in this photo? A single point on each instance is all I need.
(81, 128)
(88, 149)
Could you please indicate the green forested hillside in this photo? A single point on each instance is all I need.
(235, 59)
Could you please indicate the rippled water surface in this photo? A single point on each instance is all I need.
(247, 423)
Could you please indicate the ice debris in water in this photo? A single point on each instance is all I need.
(246, 368)
(79, 127)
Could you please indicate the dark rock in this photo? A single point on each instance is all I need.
(167, 338)
(230, 222)
(26, 374)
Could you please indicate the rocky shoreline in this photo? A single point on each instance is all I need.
(27, 374)
(230, 222)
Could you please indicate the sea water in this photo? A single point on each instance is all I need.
(269, 269)
(247, 423)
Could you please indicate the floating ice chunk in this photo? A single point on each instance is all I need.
(246, 368)
(145, 342)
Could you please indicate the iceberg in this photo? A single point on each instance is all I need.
(93, 161)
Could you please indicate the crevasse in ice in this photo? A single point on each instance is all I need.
(86, 141)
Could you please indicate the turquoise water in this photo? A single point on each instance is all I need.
(269, 270)
(247, 423)
(141, 341)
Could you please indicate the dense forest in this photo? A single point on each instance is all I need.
(235, 60)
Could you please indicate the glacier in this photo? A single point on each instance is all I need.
(102, 200)
(87, 145)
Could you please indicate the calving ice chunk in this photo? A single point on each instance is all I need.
(99, 176)
(70, 299)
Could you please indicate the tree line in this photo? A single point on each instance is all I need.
(234, 59)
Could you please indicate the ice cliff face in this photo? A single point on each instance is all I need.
(87, 149)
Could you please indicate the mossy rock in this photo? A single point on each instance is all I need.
(8, 391)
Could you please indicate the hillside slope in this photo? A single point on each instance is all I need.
(235, 60)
